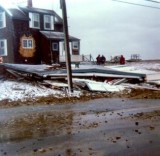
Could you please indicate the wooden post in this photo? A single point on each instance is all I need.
(66, 39)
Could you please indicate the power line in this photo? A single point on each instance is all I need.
(137, 4)
(152, 1)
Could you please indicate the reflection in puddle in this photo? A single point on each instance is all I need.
(36, 126)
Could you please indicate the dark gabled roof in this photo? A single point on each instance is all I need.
(18, 14)
(57, 35)
(38, 10)
(15, 13)
(44, 11)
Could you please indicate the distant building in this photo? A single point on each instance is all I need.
(134, 58)
(32, 35)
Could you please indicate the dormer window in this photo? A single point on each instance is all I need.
(34, 20)
(48, 22)
(2, 20)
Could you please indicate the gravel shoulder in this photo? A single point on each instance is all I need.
(86, 96)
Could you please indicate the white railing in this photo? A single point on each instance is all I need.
(76, 58)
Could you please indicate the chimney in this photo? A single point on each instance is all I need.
(29, 3)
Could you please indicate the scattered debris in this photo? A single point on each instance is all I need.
(21, 81)
(136, 123)
(152, 128)
(98, 86)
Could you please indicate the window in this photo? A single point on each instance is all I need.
(64, 46)
(3, 47)
(48, 22)
(2, 20)
(34, 20)
(75, 45)
(27, 43)
(55, 46)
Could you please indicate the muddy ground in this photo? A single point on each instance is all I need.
(100, 127)
(132, 94)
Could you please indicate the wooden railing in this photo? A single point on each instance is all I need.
(76, 58)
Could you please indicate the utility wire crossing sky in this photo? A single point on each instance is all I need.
(111, 27)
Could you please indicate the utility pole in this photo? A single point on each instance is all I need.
(66, 40)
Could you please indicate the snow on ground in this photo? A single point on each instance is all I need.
(146, 68)
(15, 90)
(151, 69)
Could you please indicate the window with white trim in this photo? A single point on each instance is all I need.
(34, 20)
(55, 46)
(27, 43)
(2, 20)
(48, 22)
(75, 45)
(3, 47)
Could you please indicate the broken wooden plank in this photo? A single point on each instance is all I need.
(134, 86)
(99, 86)
(153, 77)
(117, 82)
(13, 73)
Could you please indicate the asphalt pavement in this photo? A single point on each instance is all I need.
(102, 127)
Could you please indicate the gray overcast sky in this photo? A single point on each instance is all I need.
(112, 28)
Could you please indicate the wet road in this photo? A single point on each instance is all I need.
(101, 127)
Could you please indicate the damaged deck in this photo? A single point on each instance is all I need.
(46, 72)
(42, 80)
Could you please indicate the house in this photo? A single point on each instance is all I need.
(33, 36)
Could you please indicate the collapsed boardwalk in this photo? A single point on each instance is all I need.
(43, 80)
(43, 72)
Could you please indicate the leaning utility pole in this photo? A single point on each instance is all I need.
(66, 39)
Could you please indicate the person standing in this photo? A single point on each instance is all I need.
(98, 58)
(122, 60)
(103, 59)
